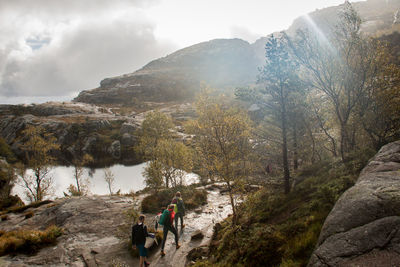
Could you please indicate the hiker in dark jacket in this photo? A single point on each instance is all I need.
(139, 234)
(166, 221)
(178, 201)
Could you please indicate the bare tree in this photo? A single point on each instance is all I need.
(37, 145)
(109, 178)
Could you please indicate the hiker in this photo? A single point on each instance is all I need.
(179, 209)
(139, 234)
(157, 218)
(166, 221)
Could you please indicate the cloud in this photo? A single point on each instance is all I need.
(58, 48)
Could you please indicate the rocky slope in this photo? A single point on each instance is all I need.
(97, 232)
(107, 134)
(363, 229)
(222, 63)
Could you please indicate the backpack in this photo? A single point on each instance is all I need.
(180, 206)
(175, 208)
(138, 234)
(164, 217)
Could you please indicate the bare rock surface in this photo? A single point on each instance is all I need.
(363, 229)
(97, 231)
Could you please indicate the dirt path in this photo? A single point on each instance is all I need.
(216, 210)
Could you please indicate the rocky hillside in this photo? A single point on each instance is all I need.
(96, 231)
(222, 63)
(108, 134)
(363, 229)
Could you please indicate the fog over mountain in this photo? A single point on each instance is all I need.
(52, 50)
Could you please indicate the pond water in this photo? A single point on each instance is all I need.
(127, 179)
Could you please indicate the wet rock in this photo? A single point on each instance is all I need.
(95, 232)
(197, 235)
(366, 217)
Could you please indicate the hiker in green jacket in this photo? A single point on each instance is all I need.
(166, 220)
(180, 212)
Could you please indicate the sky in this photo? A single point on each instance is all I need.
(50, 50)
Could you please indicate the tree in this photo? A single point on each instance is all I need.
(37, 145)
(168, 160)
(155, 127)
(379, 108)
(277, 97)
(172, 160)
(82, 185)
(342, 68)
(222, 139)
(109, 178)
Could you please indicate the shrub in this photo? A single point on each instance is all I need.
(192, 198)
(20, 209)
(281, 230)
(28, 241)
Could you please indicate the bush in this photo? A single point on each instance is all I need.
(192, 198)
(281, 230)
(28, 241)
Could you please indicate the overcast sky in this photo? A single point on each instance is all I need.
(52, 49)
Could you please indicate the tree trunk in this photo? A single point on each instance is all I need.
(295, 151)
(232, 203)
(285, 160)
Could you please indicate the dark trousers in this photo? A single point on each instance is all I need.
(177, 216)
(165, 232)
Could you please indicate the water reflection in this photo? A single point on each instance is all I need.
(127, 179)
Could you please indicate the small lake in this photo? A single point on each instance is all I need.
(127, 179)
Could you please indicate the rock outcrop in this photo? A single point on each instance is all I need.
(363, 229)
(96, 232)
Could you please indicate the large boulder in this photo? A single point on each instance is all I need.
(363, 229)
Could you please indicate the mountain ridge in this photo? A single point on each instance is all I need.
(220, 63)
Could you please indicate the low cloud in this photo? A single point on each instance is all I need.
(60, 49)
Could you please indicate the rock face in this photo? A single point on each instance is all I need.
(78, 128)
(363, 229)
(96, 231)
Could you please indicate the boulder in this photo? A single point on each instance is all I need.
(197, 235)
(364, 226)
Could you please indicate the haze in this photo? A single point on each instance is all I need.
(51, 50)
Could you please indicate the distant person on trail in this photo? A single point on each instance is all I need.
(139, 234)
(166, 220)
(179, 209)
